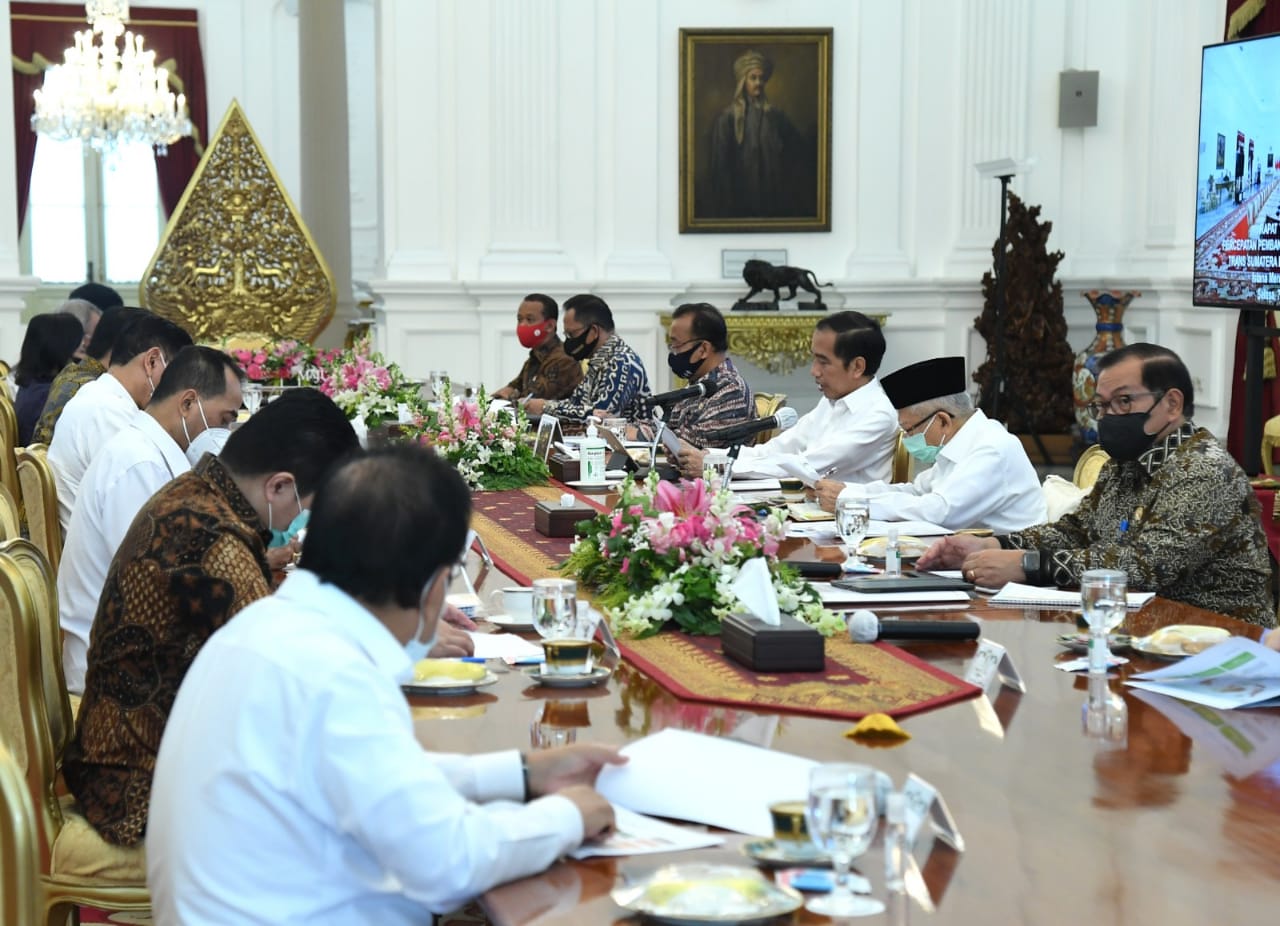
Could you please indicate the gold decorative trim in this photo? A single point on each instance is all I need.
(236, 259)
(779, 342)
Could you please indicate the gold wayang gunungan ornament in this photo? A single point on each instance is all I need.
(236, 263)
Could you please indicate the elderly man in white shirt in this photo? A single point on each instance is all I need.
(291, 740)
(198, 395)
(980, 475)
(851, 434)
(104, 407)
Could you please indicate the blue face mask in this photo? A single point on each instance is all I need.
(417, 649)
(918, 447)
(280, 538)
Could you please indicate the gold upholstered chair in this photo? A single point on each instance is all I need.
(77, 867)
(768, 403)
(8, 447)
(900, 471)
(10, 516)
(40, 502)
(19, 855)
(1089, 466)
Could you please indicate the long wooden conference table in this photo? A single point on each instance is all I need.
(1161, 828)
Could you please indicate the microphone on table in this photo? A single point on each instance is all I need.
(865, 627)
(698, 390)
(781, 420)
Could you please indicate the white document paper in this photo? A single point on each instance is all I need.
(906, 529)
(705, 779)
(1036, 596)
(636, 834)
(503, 646)
(765, 484)
(832, 595)
(1238, 672)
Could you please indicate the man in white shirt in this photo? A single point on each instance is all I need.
(291, 740)
(980, 475)
(104, 407)
(200, 389)
(851, 433)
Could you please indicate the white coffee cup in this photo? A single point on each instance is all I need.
(514, 601)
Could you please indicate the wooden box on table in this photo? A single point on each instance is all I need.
(792, 646)
(564, 468)
(552, 519)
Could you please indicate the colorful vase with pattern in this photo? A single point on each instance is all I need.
(1109, 306)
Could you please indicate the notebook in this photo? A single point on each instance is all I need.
(1038, 597)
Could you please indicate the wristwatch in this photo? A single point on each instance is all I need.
(1031, 563)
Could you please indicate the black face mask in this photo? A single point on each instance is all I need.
(577, 346)
(1122, 437)
(682, 365)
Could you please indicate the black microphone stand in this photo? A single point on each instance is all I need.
(733, 459)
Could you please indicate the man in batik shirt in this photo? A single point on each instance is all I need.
(698, 351)
(1171, 508)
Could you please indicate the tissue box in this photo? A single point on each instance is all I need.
(792, 646)
(563, 467)
(552, 520)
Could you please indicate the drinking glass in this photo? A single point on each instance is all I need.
(1102, 596)
(842, 818)
(853, 516)
(252, 393)
(439, 378)
(555, 607)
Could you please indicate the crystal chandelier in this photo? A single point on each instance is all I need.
(104, 96)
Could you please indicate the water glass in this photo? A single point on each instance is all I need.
(717, 461)
(439, 379)
(853, 517)
(842, 817)
(1102, 597)
(252, 393)
(555, 607)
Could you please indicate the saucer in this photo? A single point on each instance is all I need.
(772, 853)
(449, 686)
(585, 680)
(510, 623)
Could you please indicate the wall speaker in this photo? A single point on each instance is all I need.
(1077, 99)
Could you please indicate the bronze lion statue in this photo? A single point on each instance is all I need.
(761, 275)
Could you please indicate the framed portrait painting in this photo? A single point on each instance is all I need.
(755, 130)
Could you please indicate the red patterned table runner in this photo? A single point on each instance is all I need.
(859, 678)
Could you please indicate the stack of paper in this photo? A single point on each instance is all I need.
(906, 529)
(1035, 596)
(1236, 673)
(831, 595)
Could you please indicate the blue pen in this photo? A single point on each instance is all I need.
(1124, 527)
(472, 659)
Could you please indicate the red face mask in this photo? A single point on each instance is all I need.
(535, 335)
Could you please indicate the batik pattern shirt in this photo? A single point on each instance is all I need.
(694, 420)
(549, 373)
(615, 381)
(66, 384)
(192, 559)
(1181, 521)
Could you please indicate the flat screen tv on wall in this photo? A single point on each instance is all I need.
(1237, 252)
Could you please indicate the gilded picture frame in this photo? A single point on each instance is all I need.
(755, 130)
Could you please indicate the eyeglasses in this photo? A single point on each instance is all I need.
(680, 348)
(924, 420)
(1120, 404)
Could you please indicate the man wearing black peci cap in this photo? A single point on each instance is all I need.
(980, 475)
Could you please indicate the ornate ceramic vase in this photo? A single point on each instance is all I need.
(1109, 306)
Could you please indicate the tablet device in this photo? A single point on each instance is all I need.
(910, 583)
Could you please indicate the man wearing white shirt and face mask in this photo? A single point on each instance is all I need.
(304, 750)
(198, 395)
(978, 473)
(851, 434)
(104, 407)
